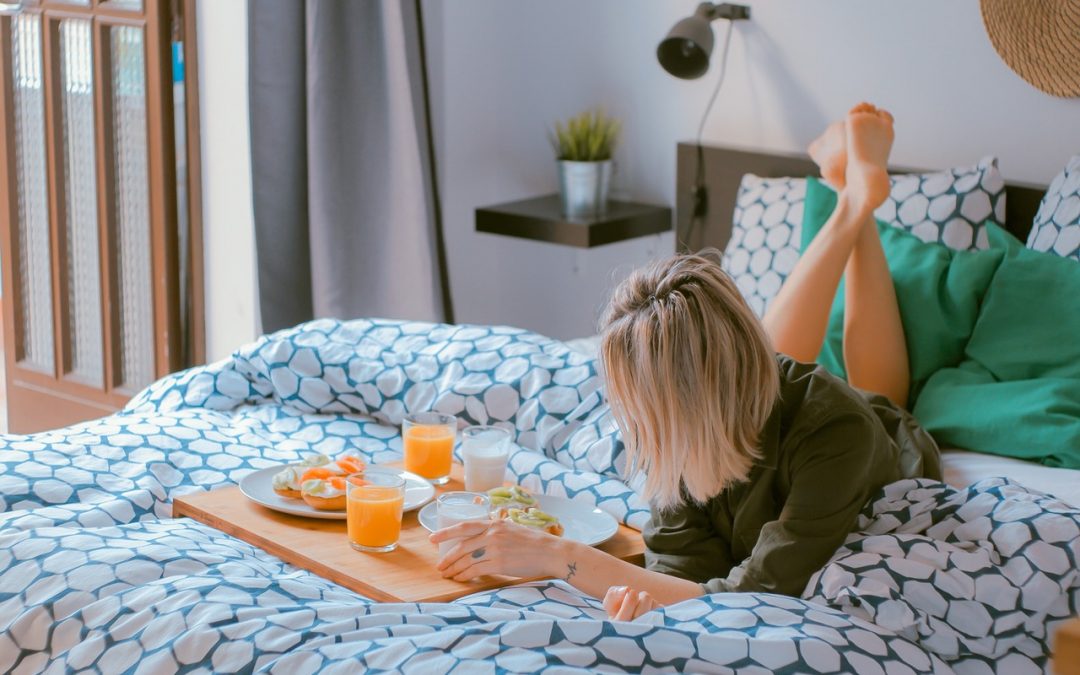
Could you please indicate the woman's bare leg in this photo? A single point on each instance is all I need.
(799, 315)
(875, 352)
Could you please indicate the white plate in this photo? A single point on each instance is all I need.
(580, 522)
(259, 488)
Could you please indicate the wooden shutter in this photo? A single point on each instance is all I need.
(91, 266)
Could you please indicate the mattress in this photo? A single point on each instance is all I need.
(963, 467)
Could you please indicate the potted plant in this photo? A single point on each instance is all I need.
(583, 147)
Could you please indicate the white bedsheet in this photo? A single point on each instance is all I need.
(962, 468)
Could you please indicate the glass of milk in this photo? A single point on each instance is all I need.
(460, 507)
(484, 451)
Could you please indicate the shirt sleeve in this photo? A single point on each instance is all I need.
(682, 542)
(831, 480)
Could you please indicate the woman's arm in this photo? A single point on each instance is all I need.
(593, 571)
(506, 548)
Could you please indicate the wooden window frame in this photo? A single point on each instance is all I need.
(156, 18)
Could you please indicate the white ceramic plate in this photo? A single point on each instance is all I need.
(259, 488)
(580, 522)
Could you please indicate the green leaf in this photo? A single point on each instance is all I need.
(590, 136)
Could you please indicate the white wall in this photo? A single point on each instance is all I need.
(228, 224)
(503, 70)
(506, 69)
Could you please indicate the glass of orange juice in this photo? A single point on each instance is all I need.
(374, 501)
(428, 443)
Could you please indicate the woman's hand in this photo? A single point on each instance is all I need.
(625, 604)
(499, 547)
(502, 547)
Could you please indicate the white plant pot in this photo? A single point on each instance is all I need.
(584, 188)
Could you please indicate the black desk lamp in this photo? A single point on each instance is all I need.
(685, 54)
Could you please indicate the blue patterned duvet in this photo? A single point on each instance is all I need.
(94, 573)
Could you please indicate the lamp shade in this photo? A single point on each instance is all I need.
(686, 49)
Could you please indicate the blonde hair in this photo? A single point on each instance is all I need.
(690, 375)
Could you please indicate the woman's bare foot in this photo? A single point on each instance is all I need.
(829, 151)
(869, 140)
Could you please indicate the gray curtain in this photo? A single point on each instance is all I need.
(347, 220)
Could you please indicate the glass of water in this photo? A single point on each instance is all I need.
(460, 507)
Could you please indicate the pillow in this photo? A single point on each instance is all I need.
(1056, 228)
(1017, 391)
(938, 290)
(946, 206)
(764, 245)
(1029, 325)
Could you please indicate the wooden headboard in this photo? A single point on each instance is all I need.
(724, 169)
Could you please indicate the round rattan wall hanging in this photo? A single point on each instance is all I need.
(1039, 40)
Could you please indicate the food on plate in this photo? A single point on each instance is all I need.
(350, 464)
(319, 473)
(517, 505)
(288, 481)
(505, 498)
(324, 494)
(536, 519)
(323, 487)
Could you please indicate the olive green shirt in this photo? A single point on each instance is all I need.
(825, 450)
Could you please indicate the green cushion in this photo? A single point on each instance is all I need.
(1017, 393)
(1029, 326)
(938, 290)
(1034, 419)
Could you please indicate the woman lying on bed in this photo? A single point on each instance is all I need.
(756, 464)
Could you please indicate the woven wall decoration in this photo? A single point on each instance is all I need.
(1039, 40)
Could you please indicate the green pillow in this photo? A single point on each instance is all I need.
(1033, 419)
(1029, 326)
(938, 290)
(1017, 393)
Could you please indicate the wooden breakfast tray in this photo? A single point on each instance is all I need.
(406, 574)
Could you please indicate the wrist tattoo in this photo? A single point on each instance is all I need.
(478, 553)
(571, 570)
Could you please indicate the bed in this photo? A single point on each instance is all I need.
(95, 574)
(963, 467)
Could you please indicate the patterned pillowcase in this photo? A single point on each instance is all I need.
(948, 207)
(765, 237)
(1057, 224)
